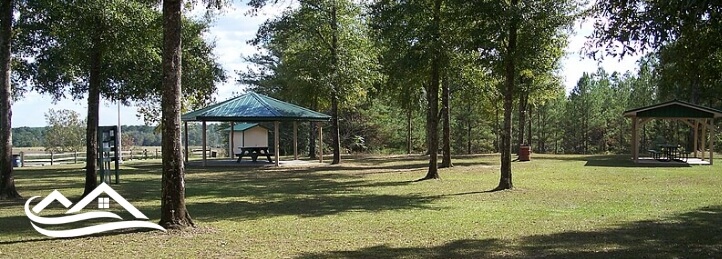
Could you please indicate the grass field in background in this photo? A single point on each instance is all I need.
(370, 207)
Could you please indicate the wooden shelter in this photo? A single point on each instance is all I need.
(246, 135)
(253, 107)
(700, 118)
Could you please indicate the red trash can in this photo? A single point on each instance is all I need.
(524, 152)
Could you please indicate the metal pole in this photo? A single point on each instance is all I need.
(120, 139)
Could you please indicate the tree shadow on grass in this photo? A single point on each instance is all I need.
(464, 248)
(695, 234)
(241, 195)
(26, 233)
(17, 226)
(305, 207)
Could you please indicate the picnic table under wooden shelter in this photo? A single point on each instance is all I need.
(253, 107)
(699, 118)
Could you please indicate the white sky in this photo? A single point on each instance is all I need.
(231, 30)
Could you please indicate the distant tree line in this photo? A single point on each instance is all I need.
(141, 135)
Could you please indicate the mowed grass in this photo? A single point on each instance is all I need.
(370, 207)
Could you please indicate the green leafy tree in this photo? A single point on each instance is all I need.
(687, 35)
(85, 48)
(322, 45)
(508, 36)
(105, 49)
(28, 136)
(201, 75)
(64, 132)
(412, 35)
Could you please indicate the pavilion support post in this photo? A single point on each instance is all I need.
(704, 137)
(320, 142)
(711, 141)
(204, 144)
(695, 137)
(295, 140)
(185, 134)
(276, 138)
(635, 139)
(232, 143)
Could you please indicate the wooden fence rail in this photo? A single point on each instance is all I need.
(52, 158)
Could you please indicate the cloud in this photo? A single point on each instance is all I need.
(231, 31)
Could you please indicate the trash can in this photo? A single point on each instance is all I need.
(16, 161)
(524, 152)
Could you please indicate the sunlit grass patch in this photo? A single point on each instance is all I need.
(369, 207)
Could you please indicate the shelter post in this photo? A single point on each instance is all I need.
(695, 137)
(704, 137)
(320, 143)
(204, 144)
(711, 141)
(635, 140)
(295, 140)
(185, 133)
(276, 140)
(232, 144)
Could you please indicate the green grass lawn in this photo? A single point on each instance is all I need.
(563, 206)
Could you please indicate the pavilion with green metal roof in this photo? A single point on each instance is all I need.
(253, 107)
(699, 118)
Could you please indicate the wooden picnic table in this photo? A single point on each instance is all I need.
(670, 151)
(254, 152)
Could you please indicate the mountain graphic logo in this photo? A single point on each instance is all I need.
(103, 203)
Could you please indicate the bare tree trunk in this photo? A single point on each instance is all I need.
(446, 116)
(409, 129)
(335, 88)
(432, 95)
(312, 131)
(468, 136)
(7, 180)
(174, 214)
(432, 124)
(335, 132)
(529, 121)
(505, 182)
(91, 131)
(497, 130)
(523, 97)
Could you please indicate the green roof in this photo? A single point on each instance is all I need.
(238, 127)
(253, 107)
(674, 109)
